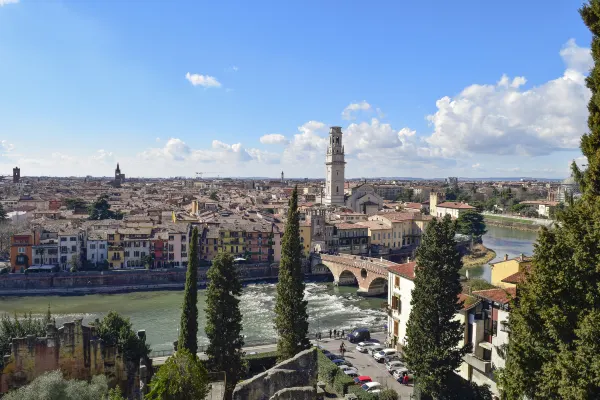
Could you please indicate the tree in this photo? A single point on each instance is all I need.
(224, 320)
(100, 209)
(75, 203)
(213, 196)
(74, 263)
(3, 215)
(20, 327)
(53, 386)
(433, 334)
(116, 330)
(188, 329)
(471, 223)
(554, 348)
(291, 319)
(182, 377)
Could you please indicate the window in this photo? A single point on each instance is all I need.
(183, 237)
(101, 256)
(136, 253)
(337, 189)
(127, 253)
(21, 249)
(73, 248)
(63, 249)
(183, 247)
(396, 328)
(102, 246)
(142, 254)
(92, 246)
(36, 261)
(397, 281)
(170, 247)
(93, 256)
(73, 239)
(171, 237)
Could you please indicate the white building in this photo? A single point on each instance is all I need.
(452, 208)
(69, 248)
(400, 287)
(96, 247)
(335, 167)
(363, 199)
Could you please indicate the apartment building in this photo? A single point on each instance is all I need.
(69, 248)
(96, 248)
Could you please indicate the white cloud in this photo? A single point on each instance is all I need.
(65, 158)
(202, 80)
(503, 119)
(6, 147)
(273, 138)
(476, 166)
(7, 2)
(157, 139)
(234, 68)
(103, 156)
(354, 107)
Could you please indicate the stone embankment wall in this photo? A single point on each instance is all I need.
(295, 378)
(113, 281)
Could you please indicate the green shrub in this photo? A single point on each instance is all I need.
(361, 394)
(53, 386)
(327, 370)
(388, 394)
(342, 382)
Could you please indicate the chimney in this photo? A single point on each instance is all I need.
(505, 257)
(522, 256)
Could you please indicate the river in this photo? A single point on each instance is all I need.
(329, 307)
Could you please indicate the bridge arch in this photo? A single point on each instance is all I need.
(378, 286)
(347, 278)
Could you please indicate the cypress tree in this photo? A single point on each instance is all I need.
(224, 320)
(291, 319)
(188, 328)
(554, 348)
(432, 333)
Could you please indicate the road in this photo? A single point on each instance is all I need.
(366, 365)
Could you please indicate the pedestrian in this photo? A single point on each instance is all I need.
(405, 379)
(330, 334)
(319, 335)
(334, 333)
(342, 333)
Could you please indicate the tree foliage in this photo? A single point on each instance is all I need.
(471, 223)
(554, 348)
(116, 330)
(16, 327)
(214, 196)
(182, 377)
(224, 320)
(75, 203)
(188, 328)
(53, 386)
(291, 319)
(433, 334)
(100, 209)
(3, 214)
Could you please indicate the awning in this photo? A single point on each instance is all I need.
(485, 345)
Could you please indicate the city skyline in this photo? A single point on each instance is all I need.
(172, 89)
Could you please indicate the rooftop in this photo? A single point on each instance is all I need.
(497, 295)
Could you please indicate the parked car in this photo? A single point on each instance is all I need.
(400, 372)
(359, 335)
(341, 361)
(346, 368)
(332, 356)
(363, 347)
(382, 355)
(375, 349)
(372, 387)
(361, 380)
(391, 366)
(352, 372)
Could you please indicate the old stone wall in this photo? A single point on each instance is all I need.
(283, 381)
(72, 348)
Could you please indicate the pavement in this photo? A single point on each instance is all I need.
(367, 365)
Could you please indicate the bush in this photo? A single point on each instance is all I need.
(388, 394)
(342, 382)
(361, 394)
(327, 370)
(53, 386)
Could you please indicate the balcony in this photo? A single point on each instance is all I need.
(478, 363)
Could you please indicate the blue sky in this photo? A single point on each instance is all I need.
(250, 88)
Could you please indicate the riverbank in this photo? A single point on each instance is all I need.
(480, 255)
(130, 288)
(512, 223)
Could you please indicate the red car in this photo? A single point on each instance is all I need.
(361, 380)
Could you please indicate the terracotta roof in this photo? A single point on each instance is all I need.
(514, 278)
(456, 204)
(405, 270)
(469, 301)
(416, 206)
(497, 295)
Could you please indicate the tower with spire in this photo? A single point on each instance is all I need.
(335, 166)
(282, 180)
(119, 177)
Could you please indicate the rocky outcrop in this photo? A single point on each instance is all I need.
(295, 378)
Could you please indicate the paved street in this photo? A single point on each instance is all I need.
(366, 365)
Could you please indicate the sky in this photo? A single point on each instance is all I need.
(250, 88)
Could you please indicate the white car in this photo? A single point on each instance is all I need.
(372, 387)
(382, 355)
(375, 349)
(363, 347)
(400, 372)
(352, 372)
(391, 366)
(345, 368)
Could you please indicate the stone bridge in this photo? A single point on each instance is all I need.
(369, 273)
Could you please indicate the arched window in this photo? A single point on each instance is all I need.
(337, 189)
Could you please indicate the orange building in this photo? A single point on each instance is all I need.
(20, 251)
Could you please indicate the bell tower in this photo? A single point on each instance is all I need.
(334, 168)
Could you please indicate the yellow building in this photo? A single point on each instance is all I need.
(506, 268)
(406, 228)
(306, 237)
(116, 253)
(232, 239)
